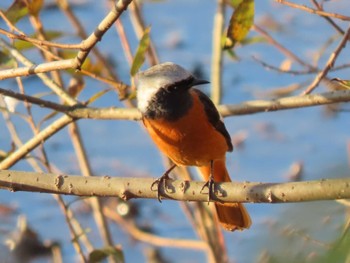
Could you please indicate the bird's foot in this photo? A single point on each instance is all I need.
(161, 181)
(210, 185)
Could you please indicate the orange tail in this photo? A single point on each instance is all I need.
(232, 216)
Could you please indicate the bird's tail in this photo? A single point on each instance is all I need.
(232, 216)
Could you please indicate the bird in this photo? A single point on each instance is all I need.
(186, 126)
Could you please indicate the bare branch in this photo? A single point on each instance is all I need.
(329, 64)
(101, 29)
(248, 107)
(314, 11)
(35, 141)
(293, 102)
(35, 69)
(127, 188)
(39, 42)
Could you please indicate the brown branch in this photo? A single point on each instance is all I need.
(34, 100)
(128, 188)
(101, 29)
(296, 72)
(293, 102)
(329, 63)
(39, 42)
(248, 107)
(314, 11)
(77, 62)
(328, 19)
(35, 141)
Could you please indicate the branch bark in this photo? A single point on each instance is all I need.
(128, 188)
(248, 107)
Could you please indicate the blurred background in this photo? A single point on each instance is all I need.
(300, 144)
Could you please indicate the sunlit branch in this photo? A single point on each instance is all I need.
(128, 188)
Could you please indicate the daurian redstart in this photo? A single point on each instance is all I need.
(186, 126)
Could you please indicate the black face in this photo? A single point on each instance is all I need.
(171, 102)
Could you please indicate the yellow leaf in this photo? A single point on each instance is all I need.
(240, 23)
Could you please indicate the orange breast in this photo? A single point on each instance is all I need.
(190, 140)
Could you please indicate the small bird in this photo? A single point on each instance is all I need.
(186, 126)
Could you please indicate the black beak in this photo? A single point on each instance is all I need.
(197, 82)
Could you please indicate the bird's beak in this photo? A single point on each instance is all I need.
(197, 82)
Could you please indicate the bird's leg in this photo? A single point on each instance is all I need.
(210, 183)
(162, 180)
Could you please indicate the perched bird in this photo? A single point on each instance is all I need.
(185, 125)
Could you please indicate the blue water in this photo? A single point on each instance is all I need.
(121, 148)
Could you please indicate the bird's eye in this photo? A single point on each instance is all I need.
(172, 88)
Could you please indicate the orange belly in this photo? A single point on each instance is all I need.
(190, 140)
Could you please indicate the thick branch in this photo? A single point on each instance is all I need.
(128, 188)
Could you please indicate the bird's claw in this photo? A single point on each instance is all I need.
(162, 180)
(210, 185)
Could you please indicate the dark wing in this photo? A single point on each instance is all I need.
(214, 117)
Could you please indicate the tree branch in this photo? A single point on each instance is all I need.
(127, 188)
(329, 64)
(31, 144)
(314, 11)
(248, 107)
(85, 47)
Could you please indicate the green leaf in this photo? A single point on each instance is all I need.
(6, 61)
(240, 23)
(50, 35)
(100, 254)
(141, 51)
(16, 11)
(35, 6)
(97, 95)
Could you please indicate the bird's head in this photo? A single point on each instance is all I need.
(166, 77)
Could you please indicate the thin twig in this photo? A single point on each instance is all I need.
(35, 141)
(39, 42)
(216, 59)
(95, 202)
(296, 72)
(281, 48)
(65, 7)
(329, 64)
(34, 100)
(124, 41)
(328, 19)
(31, 67)
(314, 11)
(152, 239)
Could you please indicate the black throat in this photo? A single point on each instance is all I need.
(171, 102)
